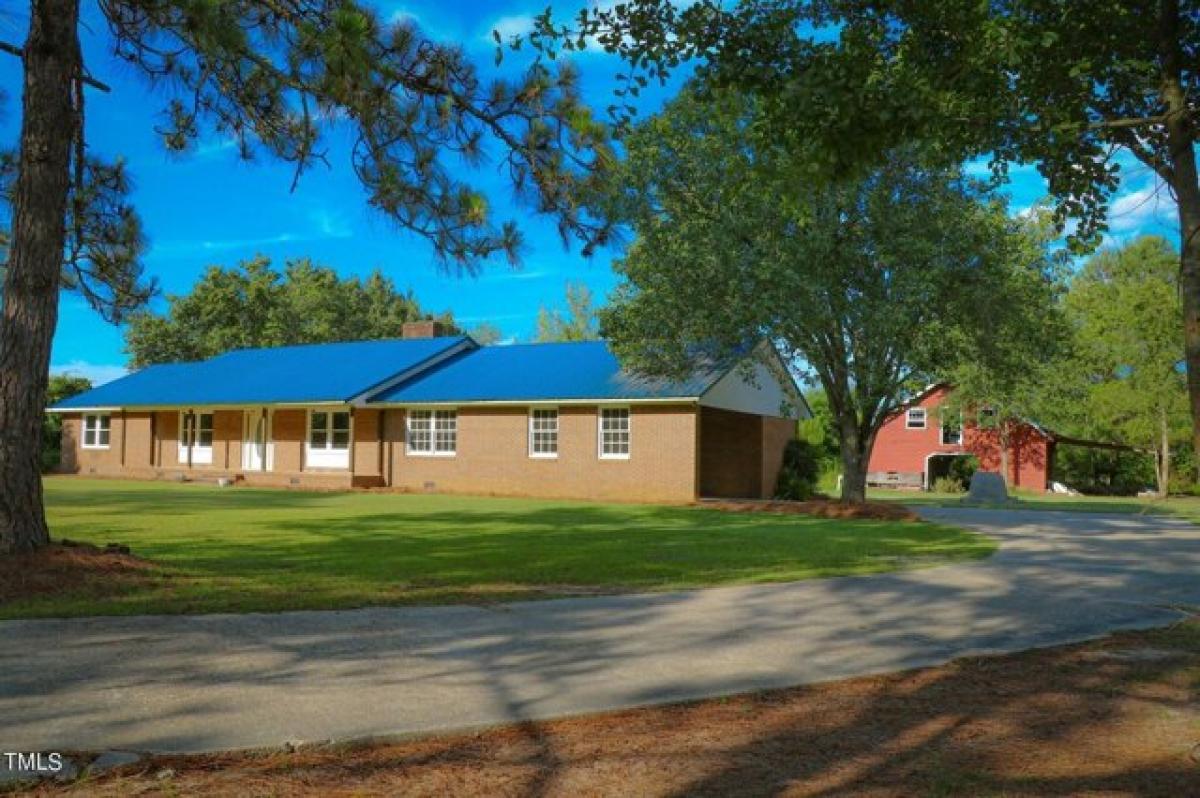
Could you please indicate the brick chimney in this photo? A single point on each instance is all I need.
(426, 328)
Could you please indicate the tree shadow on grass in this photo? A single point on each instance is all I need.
(229, 681)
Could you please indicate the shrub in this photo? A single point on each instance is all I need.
(963, 468)
(800, 471)
(949, 485)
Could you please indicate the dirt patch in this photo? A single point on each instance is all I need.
(1052, 722)
(821, 508)
(78, 568)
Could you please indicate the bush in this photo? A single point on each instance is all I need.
(800, 471)
(949, 485)
(963, 468)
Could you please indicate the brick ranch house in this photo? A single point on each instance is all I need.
(438, 413)
(915, 445)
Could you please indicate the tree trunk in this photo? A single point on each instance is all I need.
(1185, 183)
(856, 455)
(31, 285)
(1189, 290)
(1163, 470)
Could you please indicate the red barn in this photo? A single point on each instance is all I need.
(916, 444)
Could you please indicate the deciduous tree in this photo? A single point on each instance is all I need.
(577, 324)
(875, 285)
(1122, 305)
(1066, 86)
(255, 305)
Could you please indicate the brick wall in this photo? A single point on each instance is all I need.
(741, 453)
(368, 450)
(744, 452)
(776, 432)
(129, 446)
(493, 456)
(288, 430)
(731, 454)
(139, 439)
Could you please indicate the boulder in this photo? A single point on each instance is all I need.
(987, 487)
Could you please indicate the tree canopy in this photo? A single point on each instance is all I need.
(1129, 351)
(876, 286)
(1065, 86)
(255, 305)
(579, 323)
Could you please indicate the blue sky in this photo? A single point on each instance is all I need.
(209, 207)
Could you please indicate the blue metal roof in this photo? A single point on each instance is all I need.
(537, 372)
(332, 372)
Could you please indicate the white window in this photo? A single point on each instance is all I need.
(543, 432)
(915, 418)
(96, 428)
(951, 433)
(432, 432)
(328, 439)
(195, 437)
(614, 432)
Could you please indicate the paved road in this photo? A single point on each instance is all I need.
(217, 682)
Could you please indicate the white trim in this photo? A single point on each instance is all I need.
(450, 405)
(942, 436)
(908, 418)
(83, 431)
(927, 483)
(327, 456)
(250, 417)
(609, 401)
(432, 451)
(530, 432)
(217, 406)
(200, 455)
(600, 434)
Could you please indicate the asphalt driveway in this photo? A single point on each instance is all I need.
(235, 681)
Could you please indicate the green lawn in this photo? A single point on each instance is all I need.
(1186, 506)
(241, 549)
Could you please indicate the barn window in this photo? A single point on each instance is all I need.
(915, 418)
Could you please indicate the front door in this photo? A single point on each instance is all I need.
(255, 446)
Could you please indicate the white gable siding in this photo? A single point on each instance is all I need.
(763, 395)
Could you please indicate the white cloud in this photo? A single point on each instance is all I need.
(502, 274)
(225, 244)
(323, 224)
(402, 14)
(1148, 205)
(213, 148)
(510, 26)
(329, 224)
(98, 373)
